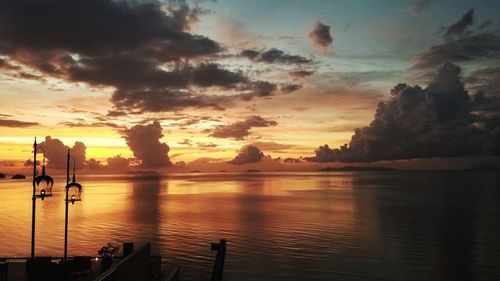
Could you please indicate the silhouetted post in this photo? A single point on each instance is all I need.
(74, 197)
(45, 191)
(34, 203)
(66, 212)
(218, 268)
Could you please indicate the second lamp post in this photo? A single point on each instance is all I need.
(73, 194)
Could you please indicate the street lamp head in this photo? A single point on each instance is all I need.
(74, 192)
(43, 185)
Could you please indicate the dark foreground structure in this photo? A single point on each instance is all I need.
(135, 265)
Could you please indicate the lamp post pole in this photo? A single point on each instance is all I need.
(33, 210)
(66, 213)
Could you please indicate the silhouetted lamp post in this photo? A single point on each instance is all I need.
(73, 194)
(42, 187)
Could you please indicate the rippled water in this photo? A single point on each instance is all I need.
(279, 226)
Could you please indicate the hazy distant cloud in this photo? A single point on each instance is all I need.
(417, 7)
(187, 142)
(485, 80)
(144, 142)
(93, 124)
(288, 88)
(206, 145)
(272, 146)
(117, 163)
(301, 73)
(248, 154)
(56, 153)
(434, 122)
(274, 56)
(16, 123)
(241, 129)
(457, 29)
(233, 32)
(5, 65)
(320, 36)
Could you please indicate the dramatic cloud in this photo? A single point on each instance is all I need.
(16, 123)
(144, 141)
(457, 29)
(56, 153)
(248, 154)
(419, 6)
(274, 56)
(142, 49)
(415, 123)
(240, 130)
(320, 36)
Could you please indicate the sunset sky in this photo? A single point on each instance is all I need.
(202, 79)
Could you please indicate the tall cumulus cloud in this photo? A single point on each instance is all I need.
(144, 142)
(438, 121)
(56, 153)
(248, 154)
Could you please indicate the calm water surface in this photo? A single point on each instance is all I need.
(279, 226)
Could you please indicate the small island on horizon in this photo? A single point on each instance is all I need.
(357, 168)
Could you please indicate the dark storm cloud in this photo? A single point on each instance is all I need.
(248, 154)
(16, 123)
(240, 130)
(143, 49)
(274, 56)
(458, 29)
(144, 142)
(56, 153)
(461, 50)
(415, 123)
(301, 73)
(96, 27)
(320, 35)
(417, 7)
